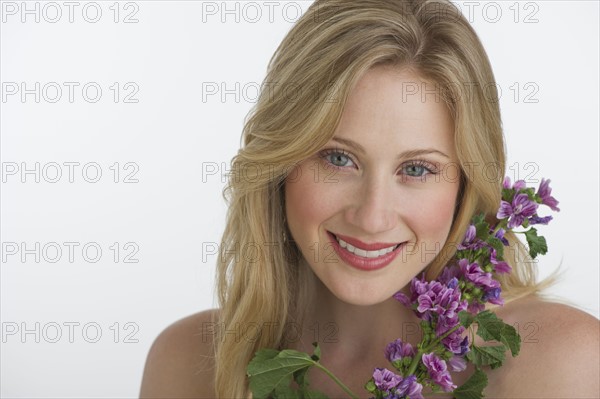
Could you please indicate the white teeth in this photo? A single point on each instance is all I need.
(364, 253)
(361, 252)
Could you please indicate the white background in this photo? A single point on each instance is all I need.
(177, 132)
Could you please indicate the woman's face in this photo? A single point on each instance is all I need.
(369, 187)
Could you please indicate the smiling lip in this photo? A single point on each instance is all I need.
(363, 245)
(362, 263)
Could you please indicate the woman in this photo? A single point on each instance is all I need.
(329, 174)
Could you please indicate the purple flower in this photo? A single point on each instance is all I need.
(469, 237)
(493, 296)
(500, 266)
(455, 342)
(417, 287)
(544, 192)
(500, 235)
(438, 372)
(448, 274)
(398, 350)
(472, 272)
(476, 307)
(470, 241)
(409, 387)
(443, 300)
(385, 379)
(457, 363)
(535, 219)
(402, 298)
(452, 283)
(522, 207)
(519, 184)
(435, 301)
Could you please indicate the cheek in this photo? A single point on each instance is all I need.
(433, 217)
(307, 204)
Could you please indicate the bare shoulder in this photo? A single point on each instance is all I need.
(559, 352)
(180, 363)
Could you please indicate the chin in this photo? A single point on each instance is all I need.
(362, 296)
(361, 301)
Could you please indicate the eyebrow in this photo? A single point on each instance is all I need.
(405, 154)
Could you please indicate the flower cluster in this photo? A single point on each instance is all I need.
(447, 307)
(395, 386)
(523, 203)
(465, 285)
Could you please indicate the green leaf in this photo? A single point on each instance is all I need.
(286, 391)
(300, 378)
(491, 327)
(512, 339)
(492, 356)
(267, 373)
(482, 228)
(537, 244)
(264, 354)
(300, 375)
(260, 357)
(508, 194)
(465, 318)
(473, 387)
(498, 245)
(480, 217)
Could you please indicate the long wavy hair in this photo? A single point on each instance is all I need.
(260, 279)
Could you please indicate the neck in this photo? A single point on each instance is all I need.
(351, 333)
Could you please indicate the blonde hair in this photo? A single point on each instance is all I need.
(259, 281)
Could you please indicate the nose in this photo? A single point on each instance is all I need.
(372, 211)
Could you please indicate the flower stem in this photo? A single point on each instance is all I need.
(415, 363)
(437, 341)
(336, 380)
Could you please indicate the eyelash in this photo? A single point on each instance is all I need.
(416, 163)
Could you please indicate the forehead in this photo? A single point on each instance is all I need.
(397, 105)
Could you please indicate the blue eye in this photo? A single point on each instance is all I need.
(337, 158)
(417, 169)
(411, 168)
